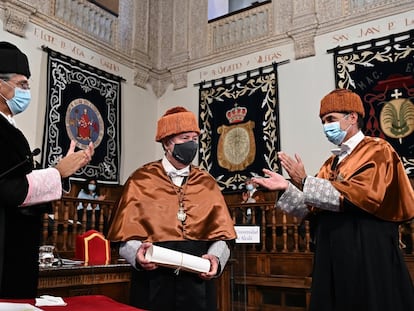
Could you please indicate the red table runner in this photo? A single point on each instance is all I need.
(83, 303)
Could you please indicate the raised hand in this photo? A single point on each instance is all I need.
(294, 167)
(75, 160)
(275, 181)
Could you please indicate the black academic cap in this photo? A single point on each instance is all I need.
(12, 60)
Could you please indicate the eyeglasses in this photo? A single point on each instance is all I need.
(23, 84)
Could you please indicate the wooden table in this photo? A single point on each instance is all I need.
(111, 280)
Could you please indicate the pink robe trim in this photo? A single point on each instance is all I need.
(44, 186)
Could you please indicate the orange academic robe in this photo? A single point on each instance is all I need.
(358, 262)
(147, 211)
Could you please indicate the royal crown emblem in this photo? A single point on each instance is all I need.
(236, 114)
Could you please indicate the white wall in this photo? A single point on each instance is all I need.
(302, 83)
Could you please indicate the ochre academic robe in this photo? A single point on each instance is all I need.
(373, 178)
(358, 262)
(147, 211)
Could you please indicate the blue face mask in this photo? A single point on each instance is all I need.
(20, 100)
(334, 133)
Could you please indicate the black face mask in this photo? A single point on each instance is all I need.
(185, 152)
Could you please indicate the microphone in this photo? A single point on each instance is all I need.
(29, 157)
(35, 152)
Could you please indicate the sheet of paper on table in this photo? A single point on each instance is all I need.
(71, 262)
(11, 306)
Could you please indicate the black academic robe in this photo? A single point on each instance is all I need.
(19, 227)
(164, 290)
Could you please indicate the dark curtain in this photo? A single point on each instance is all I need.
(239, 123)
(83, 104)
(381, 71)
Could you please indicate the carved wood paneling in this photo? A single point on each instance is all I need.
(110, 280)
(83, 279)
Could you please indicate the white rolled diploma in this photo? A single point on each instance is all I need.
(171, 258)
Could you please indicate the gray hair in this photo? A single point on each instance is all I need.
(6, 76)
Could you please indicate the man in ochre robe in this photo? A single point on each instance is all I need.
(22, 189)
(355, 205)
(176, 205)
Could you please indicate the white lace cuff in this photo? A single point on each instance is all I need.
(320, 193)
(44, 186)
(292, 202)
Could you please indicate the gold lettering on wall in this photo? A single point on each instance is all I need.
(74, 50)
(237, 66)
(373, 31)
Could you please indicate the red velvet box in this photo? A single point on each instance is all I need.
(93, 248)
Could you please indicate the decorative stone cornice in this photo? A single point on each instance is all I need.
(179, 70)
(304, 41)
(179, 78)
(159, 86)
(159, 82)
(16, 17)
(303, 28)
(304, 45)
(141, 77)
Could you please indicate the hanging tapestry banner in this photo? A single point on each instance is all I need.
(239, 124)
(382, 73)
(83, 104)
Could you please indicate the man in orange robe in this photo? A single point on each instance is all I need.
(355, 205)
(176, 205)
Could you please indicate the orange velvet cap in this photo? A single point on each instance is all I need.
(175, 121)
(341, 100)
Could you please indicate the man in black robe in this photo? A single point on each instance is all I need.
(23, 190)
